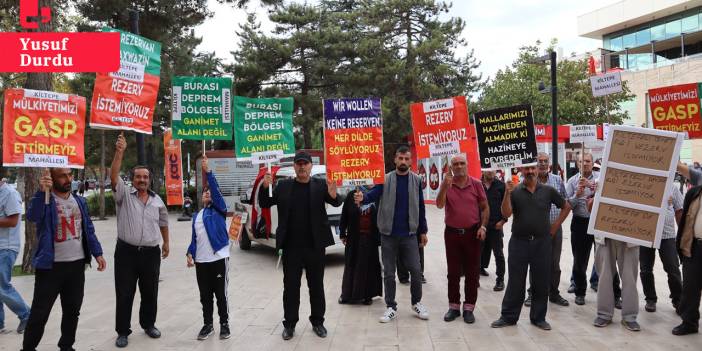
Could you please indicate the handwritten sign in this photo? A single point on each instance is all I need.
(626, 221)
(633, 187)
(636, 177)
(643, 150)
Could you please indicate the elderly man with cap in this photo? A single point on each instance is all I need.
(303, 233)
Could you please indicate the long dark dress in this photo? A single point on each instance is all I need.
(362, 273)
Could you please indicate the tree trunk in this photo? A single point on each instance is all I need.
(101, 177)
(37, 81)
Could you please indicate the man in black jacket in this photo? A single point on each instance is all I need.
(689, 244)
(303, 233)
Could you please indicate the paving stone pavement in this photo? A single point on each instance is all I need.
(255, 291)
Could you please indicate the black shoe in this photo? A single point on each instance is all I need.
(288, 333)
(631, 326)
(224, 332)
(559, 300)
(499, 286)
(527, 302)
(484, 273)
(650, 306)
(153, 332)
(404, 281)
(320, 330)
(368, 301)
(543, 325)
(424, 280)
(501, 323)
(121, 341)
(618, 303)
(571, 289)
(451, 315)
(468, 317)
(684, 329)
(580, 300)
(593, 287)
(342, 301)
(205, 332)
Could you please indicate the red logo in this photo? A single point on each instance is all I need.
(56, 52)
(30, 12)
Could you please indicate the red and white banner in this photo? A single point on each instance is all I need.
(441, 127)
(174, 169)
(677, 109)
(43, 129)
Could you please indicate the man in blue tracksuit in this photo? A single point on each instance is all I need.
(209, 249)
(65, 241)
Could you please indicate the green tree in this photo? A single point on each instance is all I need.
(518, 84)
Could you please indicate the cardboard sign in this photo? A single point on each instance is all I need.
(263, 124)
(440, 122)
(583, 134)
(126, 99)
(174, 169)
(202, 108)
(43, 129)
(506, 137)
(353, 141)
(635, 183)
(677, 109)
(607, 83)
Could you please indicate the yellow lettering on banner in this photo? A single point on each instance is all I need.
(675, 113)
(57, 128)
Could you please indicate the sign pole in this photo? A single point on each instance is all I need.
(47, 194)
(270, 186)
(134, 28)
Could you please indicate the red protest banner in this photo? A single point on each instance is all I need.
(121, 104)
(441, 127)
(353, 141)
(174, 169)
(43, 129)
(677, 108)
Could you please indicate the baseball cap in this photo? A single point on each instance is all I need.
(302, 156)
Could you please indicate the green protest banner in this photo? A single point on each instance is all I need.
(263, 126)
(202, 108)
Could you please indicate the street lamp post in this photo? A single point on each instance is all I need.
(554, 114)
(553, 90)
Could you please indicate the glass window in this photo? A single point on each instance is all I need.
(658, 32)
(672, 29)
(690, 24)
(643, 37)
(616, 44)
(631, 62)
(606, 42)
(629, 40)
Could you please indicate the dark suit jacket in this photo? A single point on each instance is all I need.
(282, 193)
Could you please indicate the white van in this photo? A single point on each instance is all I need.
(256, 232)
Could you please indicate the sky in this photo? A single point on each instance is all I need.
(494, 32)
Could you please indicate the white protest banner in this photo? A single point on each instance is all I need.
(583, 134)
(607, 83)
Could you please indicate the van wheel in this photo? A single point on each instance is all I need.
(245, 242)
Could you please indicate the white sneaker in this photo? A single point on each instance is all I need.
(421, 311)
(389, 315)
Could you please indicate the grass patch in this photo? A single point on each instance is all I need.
(17, 271)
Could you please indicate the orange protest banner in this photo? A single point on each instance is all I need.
(43, 129)
(441, 127)
(174, 169)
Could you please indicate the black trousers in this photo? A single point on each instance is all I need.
(668, 253)
(403, 273)
(295, 260)
(212, 280)
(136, 265)
(692, 286)
(524, 254)
(581, 243)
(65, 279)
(493, 245)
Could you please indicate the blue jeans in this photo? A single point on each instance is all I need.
(8, 295)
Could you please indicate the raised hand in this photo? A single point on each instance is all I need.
(267, 180)
(121, 144)
(331, 188)
(358, 197)
(509, 186)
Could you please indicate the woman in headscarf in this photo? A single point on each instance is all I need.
(359, 232)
